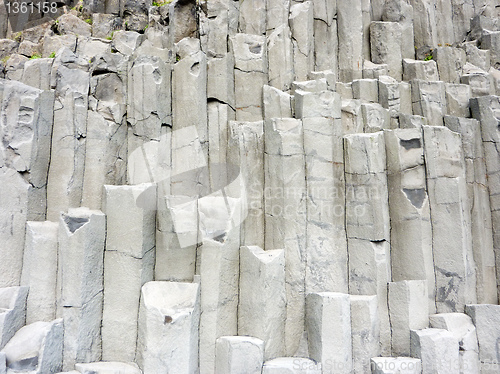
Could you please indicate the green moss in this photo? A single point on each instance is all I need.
(35, 56)
(428, 57)
(52, 55)
(89, 21)
(161, 2)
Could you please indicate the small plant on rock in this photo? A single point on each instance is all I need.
(35, 56)
(52, 55)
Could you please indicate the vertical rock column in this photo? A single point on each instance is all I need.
(40, 271)
(350, 34)
(479, 206)
(487, 111)
(71, 80)
(367, 223)
(26, 115)
(262, 306)
(386, 44)
(302, 26)
(450, 218)
(326, 42)
(246, 149)
(81, 251)
(250, 75)
(169, 318)
(219, 273)
(285, 215)
(128, 265)
(326, 238)
(411, 231)
(106, 149)
(329, 338)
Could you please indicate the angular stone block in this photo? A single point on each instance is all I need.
(280, 58)
(262, 306)
(40, 271)
(386, 42)
(325, 206)
(285, 214)
(457, 99)
(80, 268)
(365, 331)
(277, 104)
(375, 117)
(422, 70)
(373, 71)
(302, 26)
(408, 310)
(461, 326)
(411, 231)
(485, 317)
(365, 89)
(239, 354)
(350, 32)
(252, 18)
(329, 339)
(450, 62)
(168, 318)
(438, 350)
(36, 348)
(429, 100)
(220, 79)
(317, 104)
(13, 316)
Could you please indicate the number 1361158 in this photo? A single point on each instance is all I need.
(42, 7)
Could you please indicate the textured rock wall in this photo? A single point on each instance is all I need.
(256, 186)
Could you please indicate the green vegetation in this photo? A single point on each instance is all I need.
(52, 55)
(35, 56)
(161, 2)
(5, 59)
(428, 57)
(89, 21)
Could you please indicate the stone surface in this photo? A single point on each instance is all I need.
(485, 317)
(36, 348)
(40, 271)
(13, 316)
(108, 367)
(262, 306)
(395, 365)
(329, 339)
(438, 350)
(239, 354)
(291, 365)
(169, 315)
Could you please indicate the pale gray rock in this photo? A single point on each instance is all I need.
(461, 326)
(396, 365)
(317, 104)
(452, 243)
(7, 47)
(350, 32)
(450, 62)
(457, 99)
(126, 42)
(375, 117)
(329, 338)
(365, 89)
(329, 75)
(3, 363)
(373, 71)
(429, 100)
(252, 18)
(325, 206)
(386, 42)
(438, 350)
(352, 121)
(250, 75)
(491, 41)
(52, 44)
(37, 73)
(408, 121)
(408, 310)
(262, 306)
(128, 265)
(104, 25)
(316, 85)
(424, 24)
(478, 205)
(476, 56)
(285, 214)
(108, 368)
(485, 317)
(276, 103)
(14, 67)
(13, 316)
(80, 280)
(29, 49)
(326, 41)
(280, 57)
(402, 12)
(444, 23)
(89, 47)
(411, 231)
(389, 94)
(291, 365)
(36, 348)
(40, 270)
(220, 79)
(71, 81)
(239, 354)
(70, 24)
(302, 27)
(365, 332)
(219, 269)
(168, 318)
(422, 70)
(480, 81)
(344, 90)
(246, 150)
